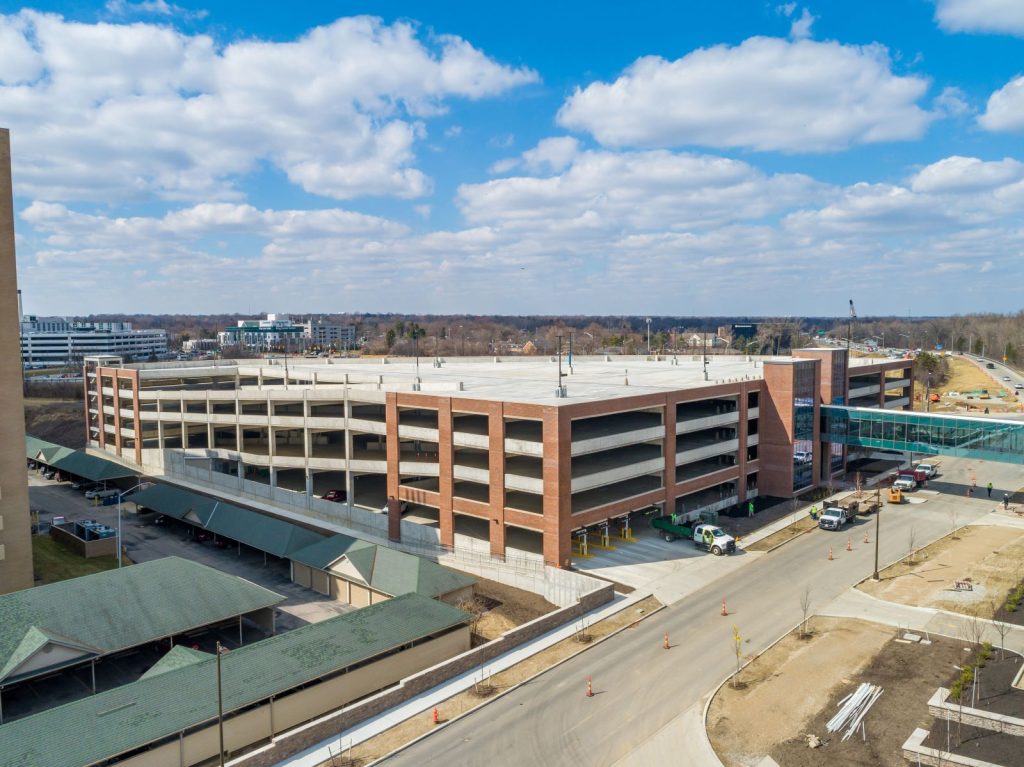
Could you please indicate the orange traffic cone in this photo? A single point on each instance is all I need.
(590, 688)
(829, 553)
(434, 717)
(666, 644)
(724, 611)
(849, 544)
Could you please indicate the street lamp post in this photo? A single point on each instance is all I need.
(648, 336)
(878, 516)
(220, 710)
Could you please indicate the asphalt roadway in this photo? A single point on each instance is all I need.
(640, 687)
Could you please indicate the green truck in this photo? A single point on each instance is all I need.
(709, 537)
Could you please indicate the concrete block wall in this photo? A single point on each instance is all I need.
(288, 744)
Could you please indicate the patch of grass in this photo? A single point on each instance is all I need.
(1016, 597)
(52, 562)
(963, 682)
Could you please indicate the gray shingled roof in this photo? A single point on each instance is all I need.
(118, 609)
(101, 726)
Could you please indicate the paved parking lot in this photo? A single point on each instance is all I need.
(145, 541)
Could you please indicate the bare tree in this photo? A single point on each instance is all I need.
(911, 541)
(974, 628)
(805, 610)
(953, 519)
(1002, 628)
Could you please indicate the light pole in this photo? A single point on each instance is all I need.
(220, 709)
(878, 517)
(648, 336)
(119, 497)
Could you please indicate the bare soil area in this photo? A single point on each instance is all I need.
(506, 607)
(383, 744)
(994, 693)
(56, 420)
(966, 377)
(794, 688)
(802, 525)
(989, 559)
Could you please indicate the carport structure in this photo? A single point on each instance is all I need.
(361, 573)
(350, 570)
(75, 463)
(83, 620)
(261, 532)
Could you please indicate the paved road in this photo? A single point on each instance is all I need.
(640, 686)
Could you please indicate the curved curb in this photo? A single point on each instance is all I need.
(441, 725)
(711, 697)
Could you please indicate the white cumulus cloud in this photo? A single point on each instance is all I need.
(1005, 109)
(963, 174)
(159, 112)
(766, 94)
(993, 16)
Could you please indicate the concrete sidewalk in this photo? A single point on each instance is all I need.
(854, 603)
(421, 704)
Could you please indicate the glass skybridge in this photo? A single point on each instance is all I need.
(987, 439)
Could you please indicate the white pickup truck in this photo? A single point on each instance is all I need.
(833, 518)
(713, 539)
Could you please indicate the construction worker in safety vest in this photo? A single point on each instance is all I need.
(709, 537)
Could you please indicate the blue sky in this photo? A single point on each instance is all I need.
(682, 158)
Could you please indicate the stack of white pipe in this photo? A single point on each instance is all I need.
(853, 708)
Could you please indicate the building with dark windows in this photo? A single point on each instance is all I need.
(490, 454)
(47, 341)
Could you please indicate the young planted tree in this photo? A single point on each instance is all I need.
(805, 610)
(1002, 629)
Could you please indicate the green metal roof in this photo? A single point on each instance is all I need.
(118, 609)
(92, 468)
(179, 656)
(47, 452)
(265, 533)
(270, 534)
(102, 726)
(384, 569)
(324, 553)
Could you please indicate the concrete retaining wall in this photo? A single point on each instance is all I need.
(291, 743)
(915, 753)
(976, 717)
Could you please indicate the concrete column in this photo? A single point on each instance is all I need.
(496, 464)
(349, 485)
(393, 456)
(446, 479)
(557, 474)
(184, 426)
(881, 389)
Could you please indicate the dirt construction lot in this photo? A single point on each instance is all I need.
(991, 557)
(794, 688)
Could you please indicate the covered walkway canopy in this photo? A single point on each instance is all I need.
(985, 439)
